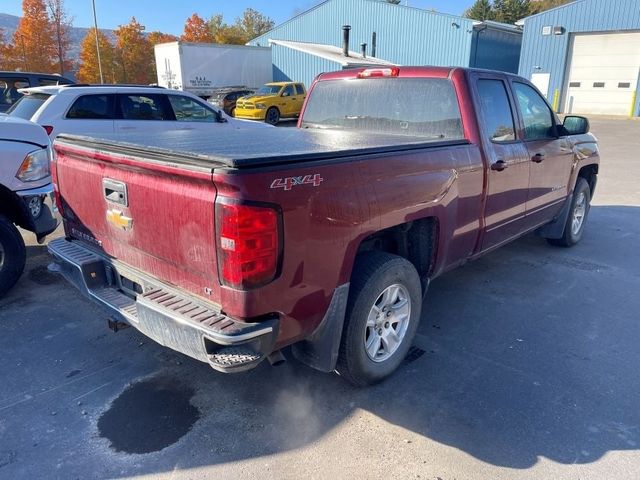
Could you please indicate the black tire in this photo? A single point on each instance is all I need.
(571, 236)
(373, 274)
(13, 255)
(272, 117)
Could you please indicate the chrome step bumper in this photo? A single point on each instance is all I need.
(171, 317)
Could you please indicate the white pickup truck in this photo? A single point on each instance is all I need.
(26, 193)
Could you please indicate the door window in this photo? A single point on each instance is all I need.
(496, 110)
(143, 107)
(299, 89)
(288, 91)
(537, 116)
(189, 110)
(94, 107)
(9, 93)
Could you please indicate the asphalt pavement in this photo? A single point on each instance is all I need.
(526, 366)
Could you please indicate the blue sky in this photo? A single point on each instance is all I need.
(169, 15)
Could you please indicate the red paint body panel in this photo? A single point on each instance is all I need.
(173, 236)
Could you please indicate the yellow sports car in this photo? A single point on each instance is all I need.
(272, 102)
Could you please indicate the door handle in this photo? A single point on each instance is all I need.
(499, 166)
(538, 157)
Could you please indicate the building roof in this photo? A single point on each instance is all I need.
(331, 53)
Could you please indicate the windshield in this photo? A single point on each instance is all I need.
(269, 90)
(425, 107)
(28, 105)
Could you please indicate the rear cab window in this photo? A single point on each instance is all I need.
(424, 107)
(28, 105)
(94, 107)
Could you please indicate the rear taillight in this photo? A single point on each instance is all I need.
(248, 244)
(48, 129)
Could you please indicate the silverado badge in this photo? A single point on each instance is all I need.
(115, 217)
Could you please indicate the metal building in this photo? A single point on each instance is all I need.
(585, 56)
(393, 33)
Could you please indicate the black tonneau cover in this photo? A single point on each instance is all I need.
(249, 147)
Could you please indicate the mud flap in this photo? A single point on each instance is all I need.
(320, 350)
(555, 229)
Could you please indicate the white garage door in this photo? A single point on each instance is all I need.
(603, 73)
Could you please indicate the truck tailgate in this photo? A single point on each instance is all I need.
(158, 218)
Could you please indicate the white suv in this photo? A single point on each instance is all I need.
(82, 109)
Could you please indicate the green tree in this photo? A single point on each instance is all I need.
(481, 10)
(510, 11)
(253, 23)
(250, 25)
(542, 5)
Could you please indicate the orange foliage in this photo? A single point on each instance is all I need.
(33, 42)
(89, 71)
(197, 30)
(158, 37)
(134, 55)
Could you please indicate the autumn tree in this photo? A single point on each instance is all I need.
(510, 11)
(61, 28)
(159, 37)
(196, 30)
(33, 40)
(89, 71)
(133, 54)
(542, 5)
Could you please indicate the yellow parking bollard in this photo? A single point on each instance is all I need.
(556, 100)
(633, 104)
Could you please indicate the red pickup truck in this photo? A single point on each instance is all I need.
(324, 237)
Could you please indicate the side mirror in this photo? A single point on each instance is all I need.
(576, 125)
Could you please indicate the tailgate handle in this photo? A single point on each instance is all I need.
(115, 192)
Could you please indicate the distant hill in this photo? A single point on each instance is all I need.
(9, 24)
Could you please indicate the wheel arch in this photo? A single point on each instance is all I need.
(12, 207)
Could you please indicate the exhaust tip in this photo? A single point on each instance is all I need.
(276, 358)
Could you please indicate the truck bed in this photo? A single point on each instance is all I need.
(243, 148)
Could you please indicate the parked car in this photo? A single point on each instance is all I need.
(272, 102)
(12, 82)
(325, 237)
(26, 193)
(101, 109)
(226, 98)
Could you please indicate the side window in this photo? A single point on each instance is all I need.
(496, 110)
(537, 116)
(142, 107)
(9, 89)
(299, 89)
(288, 91)
(95, 107)
(189, 110)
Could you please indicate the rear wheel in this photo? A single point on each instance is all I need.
(273, 116)
(577, 219)
(383, 312)
(13, 255)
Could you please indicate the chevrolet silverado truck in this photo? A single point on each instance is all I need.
(26, 193)
(323, 238)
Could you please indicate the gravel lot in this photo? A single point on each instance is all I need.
(530, 370)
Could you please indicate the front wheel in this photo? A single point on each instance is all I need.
(577, 219)
(383, 312)
(273, 116)
(13, 255)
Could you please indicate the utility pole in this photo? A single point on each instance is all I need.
(95, 23)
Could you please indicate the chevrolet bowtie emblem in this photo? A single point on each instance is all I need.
(115, 217)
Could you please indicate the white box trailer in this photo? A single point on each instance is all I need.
(200, 68)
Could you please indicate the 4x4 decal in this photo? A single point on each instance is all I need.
(290, 182)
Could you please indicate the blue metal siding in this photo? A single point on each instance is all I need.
(496, 49)
(405, 35)
(549, 53)
(292, 65)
